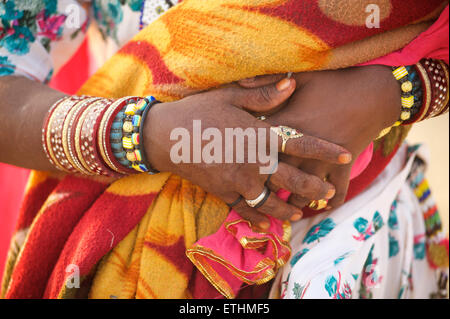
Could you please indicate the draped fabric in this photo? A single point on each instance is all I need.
(128, 238)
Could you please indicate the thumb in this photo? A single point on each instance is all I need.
(261, 80)
(264, 98)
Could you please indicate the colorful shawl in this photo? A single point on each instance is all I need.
(128, 238)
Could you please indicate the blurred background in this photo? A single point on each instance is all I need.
(435, 134)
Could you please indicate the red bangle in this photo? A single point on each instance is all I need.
(88, 138)
(104, 136)
(434, 77)
(69, 134)
(46, 147)
(54, 133)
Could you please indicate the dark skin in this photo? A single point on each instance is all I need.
(349, 123)
(25, 104)
(349, 107)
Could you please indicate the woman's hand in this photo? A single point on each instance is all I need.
(348, 107)
(221, 109)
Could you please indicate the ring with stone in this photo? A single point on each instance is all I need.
(286, 133)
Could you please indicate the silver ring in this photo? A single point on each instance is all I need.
(259, 199)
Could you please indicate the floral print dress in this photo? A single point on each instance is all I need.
(37, 37)
(385, 243)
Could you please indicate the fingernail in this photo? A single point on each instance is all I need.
(330, 193)
(264, 225)
(283, 85)
(296, 217)
(345, 158)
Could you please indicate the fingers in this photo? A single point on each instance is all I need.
(273, 206)
(301, 183)
(252, 215)
(261, 99)
(316, 148)
(278, 208)
(340, 178)
(261, 80)
(298, 201)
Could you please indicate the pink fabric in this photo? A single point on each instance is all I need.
(226, 245)
(432, 43)
(12, 185)
(362, 161)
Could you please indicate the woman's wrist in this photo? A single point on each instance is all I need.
(390, 94)
(156, 143)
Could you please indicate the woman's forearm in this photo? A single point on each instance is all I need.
(23, 107)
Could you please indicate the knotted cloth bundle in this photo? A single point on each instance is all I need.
(128, 238)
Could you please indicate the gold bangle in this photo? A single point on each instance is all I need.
(444, 67)
(427, 101)
(49, 133)
(78, 150)
(67, 132)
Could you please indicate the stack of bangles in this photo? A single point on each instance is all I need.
(97, 136)
(425, 91)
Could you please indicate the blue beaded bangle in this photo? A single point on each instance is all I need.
(126, 135)
(116, 140)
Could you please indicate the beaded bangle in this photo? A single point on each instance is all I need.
(410, 96)
(132, 133)
(92, 135)
(401, 74)
(425, 91)
(116, 140)
(144, 160)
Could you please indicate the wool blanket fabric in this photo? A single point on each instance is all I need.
(128, 238)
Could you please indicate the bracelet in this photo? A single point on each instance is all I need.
(425, 91)
(97, 136)
(410, 96)
(68, 135)
(434, 74)
(434, 80)
(132, 131)
(104, 138)
(52, 134)
(401, 74)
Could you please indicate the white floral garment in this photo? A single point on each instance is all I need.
(374, 246)
(37, 37)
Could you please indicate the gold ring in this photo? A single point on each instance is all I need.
(318, 204)
(286, 133)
